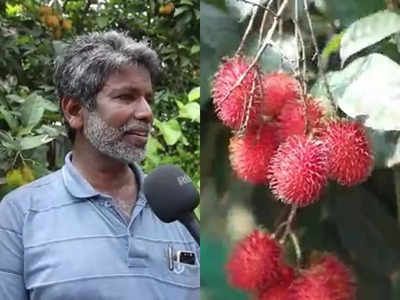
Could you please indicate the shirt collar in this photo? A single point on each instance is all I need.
(79, 187)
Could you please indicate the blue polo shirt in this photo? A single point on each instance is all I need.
(62, 239)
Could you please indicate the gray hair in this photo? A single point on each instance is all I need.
(85, 65)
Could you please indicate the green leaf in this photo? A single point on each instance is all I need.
(102, 21)
(48, 105)
(368, 31)
(386, 145)
(153, 147)
(30, 142)
(31, 112)
(333, 45)
(195, 49)
(194, 94)
(15, 98)
(7, 115)
(180, 10)
(171, 131)
(346, 12)
(367, 88)
(190, 111)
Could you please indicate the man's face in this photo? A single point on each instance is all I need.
(121, 123)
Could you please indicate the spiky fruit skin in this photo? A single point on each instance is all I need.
(299, 170)
(251, 153)
(254, 262)
(279, 88)
(232, 110)
(351, 158)
(279, 292)
(295, 116)
(326, 279)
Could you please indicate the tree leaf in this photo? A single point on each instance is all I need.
(102, 21)
(7, 115)
(346, 12)
(171, 131)
(368, 31)
(194, 94)
(190, 111)
(31, 112)
(30, 142)
(369, 87)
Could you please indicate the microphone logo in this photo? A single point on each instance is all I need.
(184, 179)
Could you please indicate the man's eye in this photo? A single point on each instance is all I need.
(125, 97)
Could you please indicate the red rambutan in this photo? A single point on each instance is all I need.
(254, 261)
(299, 170)
(278, 292)
(293, 119)
(326, 279)
(350, 154)
(250, 154)
(279, 88)
(232, 110)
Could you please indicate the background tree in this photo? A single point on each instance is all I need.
(357, 66)
(32, 139)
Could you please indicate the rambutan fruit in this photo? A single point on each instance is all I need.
(350, 154)
(279, 88)
(254, 262)
(251, 153)
(299, 170)
(326, 279)
(339, 278)
(297, 117)
(278, 292)
(232, 109)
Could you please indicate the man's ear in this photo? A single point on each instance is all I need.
(73, 112)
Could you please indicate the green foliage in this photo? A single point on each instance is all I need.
(359, 45)
(32, 34)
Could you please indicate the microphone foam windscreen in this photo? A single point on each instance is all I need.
(170, 193)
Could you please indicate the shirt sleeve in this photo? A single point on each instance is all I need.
(11, 252)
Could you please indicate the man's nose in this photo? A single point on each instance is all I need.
(143, 111)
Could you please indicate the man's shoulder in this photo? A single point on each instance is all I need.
(39, 188)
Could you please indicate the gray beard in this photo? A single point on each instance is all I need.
(108, 140)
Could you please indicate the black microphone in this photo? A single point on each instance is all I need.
(172, 196)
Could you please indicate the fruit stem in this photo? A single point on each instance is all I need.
(296, 246)
(288, 224)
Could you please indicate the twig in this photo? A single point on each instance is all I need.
(288, 224)
(296, 246)
(248, 29)
(314, 40)
(264, 19)
(266, 42)
(243, 124)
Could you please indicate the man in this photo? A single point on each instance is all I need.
(86, 231)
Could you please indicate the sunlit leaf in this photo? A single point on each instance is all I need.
(368, 31)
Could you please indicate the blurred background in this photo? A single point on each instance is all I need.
(360, 224)
(32, 32)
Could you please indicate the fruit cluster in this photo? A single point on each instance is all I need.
(19, 176)
(52, 19)
(284, 138)
(257, 265)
